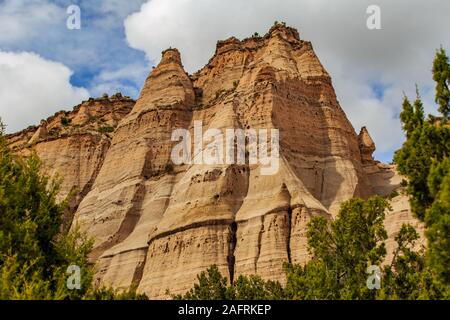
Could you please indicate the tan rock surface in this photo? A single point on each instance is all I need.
(157, 225)
(73, 152)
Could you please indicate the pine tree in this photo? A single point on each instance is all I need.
(441, 75)
(424, 159)
(402, 279)
(34, 254)
(438, 231)
(255, 288)
(407, 117)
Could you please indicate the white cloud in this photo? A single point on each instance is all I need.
(120, 8)
(112, 87)
(22, 20)
(32, 88)
(126, 79)
(98, 53)
(133, 72)
(396, 57)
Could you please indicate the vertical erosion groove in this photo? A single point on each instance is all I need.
(139, 271)
(232, 239)
(290, 225)
(261, 231)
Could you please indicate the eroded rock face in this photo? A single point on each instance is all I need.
(157, 225)
(366, 146)
(72, 145)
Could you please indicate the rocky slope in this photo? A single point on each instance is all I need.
(157, 225)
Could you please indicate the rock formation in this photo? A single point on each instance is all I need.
(72, 145)
(157, 225)
(366, 146)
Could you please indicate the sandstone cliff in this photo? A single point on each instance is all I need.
(72, 145)
(157, 225)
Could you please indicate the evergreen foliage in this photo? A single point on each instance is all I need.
(341, 252)
(212, 285)
(425, 159)
(441, 75)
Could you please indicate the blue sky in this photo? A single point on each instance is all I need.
(98, 48)
(45, 67)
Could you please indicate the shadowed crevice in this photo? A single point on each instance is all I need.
(231, 247)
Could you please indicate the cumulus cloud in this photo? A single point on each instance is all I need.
(370, 68)
(22, 20)
(120, 8)
(32, 88)
(96, 54)
(40, 26)
(126, 79)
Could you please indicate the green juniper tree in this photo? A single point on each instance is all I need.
(402, 278)
(441, 75)
(31, 259)
(211, 285)
(424, 159)
(341, 251)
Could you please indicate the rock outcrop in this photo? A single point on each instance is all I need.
(72, 145)
(366, 146)
(157, 225)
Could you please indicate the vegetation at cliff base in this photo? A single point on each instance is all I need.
(212, 285)
(341, 253)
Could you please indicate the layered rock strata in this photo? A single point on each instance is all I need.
(72, 145)
(157, 224)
